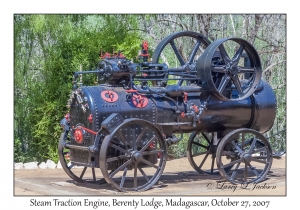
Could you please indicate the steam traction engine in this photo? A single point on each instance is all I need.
(124, 124)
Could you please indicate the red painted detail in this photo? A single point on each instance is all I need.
(151, 145)
(145, 75)
(145, 45)
(67, 117)
(67, 156)
(195, 108)
(90, 118)
(131, 91)
(78, 135)
(119, 55)
(182, 114)
(106, 55)
(185, 95)
(158, 155)
(109, 96)
(88, 130)
(139, 101)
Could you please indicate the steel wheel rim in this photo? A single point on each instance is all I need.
(79, 175)
(249, 166)
(169, 40)
(122, 178)
(218, 76)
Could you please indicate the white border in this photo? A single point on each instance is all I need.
(8, 8)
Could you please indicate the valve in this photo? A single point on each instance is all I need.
(144, 52)
(185, 97)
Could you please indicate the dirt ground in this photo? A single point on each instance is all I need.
(179, 178)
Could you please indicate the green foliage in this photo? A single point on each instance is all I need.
(179, 150)
(48, 50)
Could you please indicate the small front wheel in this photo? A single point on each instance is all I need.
(252, 153)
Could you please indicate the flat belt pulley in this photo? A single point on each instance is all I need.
(185, 47)
(230, 69)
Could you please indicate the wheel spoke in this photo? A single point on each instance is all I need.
(123, 177)
(235, 171)
(94, 175)
(179, 57)
(143, 173)
(192, 56)
(246, 69)
(253, 169)
(148, 143)
(212, 164)
(260, 157)
(252, 145)
(224, 54)
(134, 142)
(237, 84)
(243, 140)
(83, 171)
(120, 168)
(231, 163)
(245, 173)
(121, 137)
(118, 148)
(259, 150)
(135, 175)
(117, 158)
(225, 153)
(237, 147)
(224, 81)
(218, 69)
(237, 56)
(200, 145)
(206, 138)
(203, 161)
(152, 152)
(140, 136)
(149, 163)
